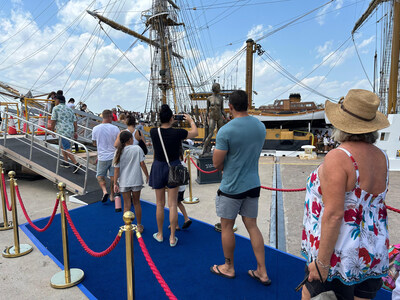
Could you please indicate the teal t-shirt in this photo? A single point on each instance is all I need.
(243, 138)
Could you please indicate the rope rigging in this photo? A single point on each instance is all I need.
(314, 69)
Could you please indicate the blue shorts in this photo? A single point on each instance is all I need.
(103, 166)
(159, 174)
(66, 144)
(229, 208)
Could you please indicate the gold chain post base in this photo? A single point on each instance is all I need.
(217, 227)
(190, 200)
(58, 280)
(6, 227)
(24, 249)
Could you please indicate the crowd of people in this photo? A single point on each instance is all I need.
(345, 232)
(324, 141)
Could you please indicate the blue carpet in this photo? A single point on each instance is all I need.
(185, 268)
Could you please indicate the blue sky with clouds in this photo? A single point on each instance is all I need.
(41, 44)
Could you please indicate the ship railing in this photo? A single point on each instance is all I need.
(33, 108)
(43, 143)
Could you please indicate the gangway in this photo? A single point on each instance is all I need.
(42, 154)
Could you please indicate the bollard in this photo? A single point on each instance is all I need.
(68, 277)
(18, 249)
(6, 225)
(190, 199)
(128, 217)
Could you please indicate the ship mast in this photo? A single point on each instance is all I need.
(250, 50)
(159, 19)
(395, 51)
(394, 65)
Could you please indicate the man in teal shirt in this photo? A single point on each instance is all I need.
(237, 151)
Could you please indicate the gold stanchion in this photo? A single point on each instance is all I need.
(68, 277)
(128, 217)
(190, 199)
(6, 225)
(18, 249)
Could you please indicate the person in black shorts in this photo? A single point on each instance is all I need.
(172, 139)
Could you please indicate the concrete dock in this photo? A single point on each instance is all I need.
(29, 276)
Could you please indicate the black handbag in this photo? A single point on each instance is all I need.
(142, 144)
(177, 175)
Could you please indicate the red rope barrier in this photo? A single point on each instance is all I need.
(283, 190)
(393, 209)
(156, 273)
(9, 208)
(202, 171)
(29, 219)
(82, 242)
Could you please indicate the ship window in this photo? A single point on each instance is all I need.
(384, 136)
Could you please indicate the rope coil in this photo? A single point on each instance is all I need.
(82, 242)
(9, 208)
(29, 219)
(202, 171)
(155, 271)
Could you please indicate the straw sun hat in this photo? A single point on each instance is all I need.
(357, 113)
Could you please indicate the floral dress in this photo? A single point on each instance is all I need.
(361, 250)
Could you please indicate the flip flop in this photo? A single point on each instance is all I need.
(174, 244)
(187, 224)
(105, 198)
(219, 273)
(158, 239)
(254, 276)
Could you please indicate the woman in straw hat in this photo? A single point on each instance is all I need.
(345, 237)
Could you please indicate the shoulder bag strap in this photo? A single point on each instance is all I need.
(163, 147)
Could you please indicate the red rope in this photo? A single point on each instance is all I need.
(393, 209)
(202, 171)
(283, 190)
(9, 208)
(82, 242)
(29, 219)
(156, 273)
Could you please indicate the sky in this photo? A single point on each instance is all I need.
(48, 45)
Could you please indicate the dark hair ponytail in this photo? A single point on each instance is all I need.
(124, 137)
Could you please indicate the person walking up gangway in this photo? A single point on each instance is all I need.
(104, 136)
(63, 120)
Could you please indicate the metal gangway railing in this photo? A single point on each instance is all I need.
(35, 109)
(45, 143)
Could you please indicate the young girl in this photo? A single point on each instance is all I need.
(128, 178)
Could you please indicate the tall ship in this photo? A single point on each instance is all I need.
(178, 74)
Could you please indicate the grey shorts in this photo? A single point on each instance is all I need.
(103, 166)
(229, 208)
(125, 189)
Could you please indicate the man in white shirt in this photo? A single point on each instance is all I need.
(104, 136)
(71, 103)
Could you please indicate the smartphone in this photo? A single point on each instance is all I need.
(178, 117)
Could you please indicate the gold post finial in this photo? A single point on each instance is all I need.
(61, 186)
(128, 217)
(11, 174)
